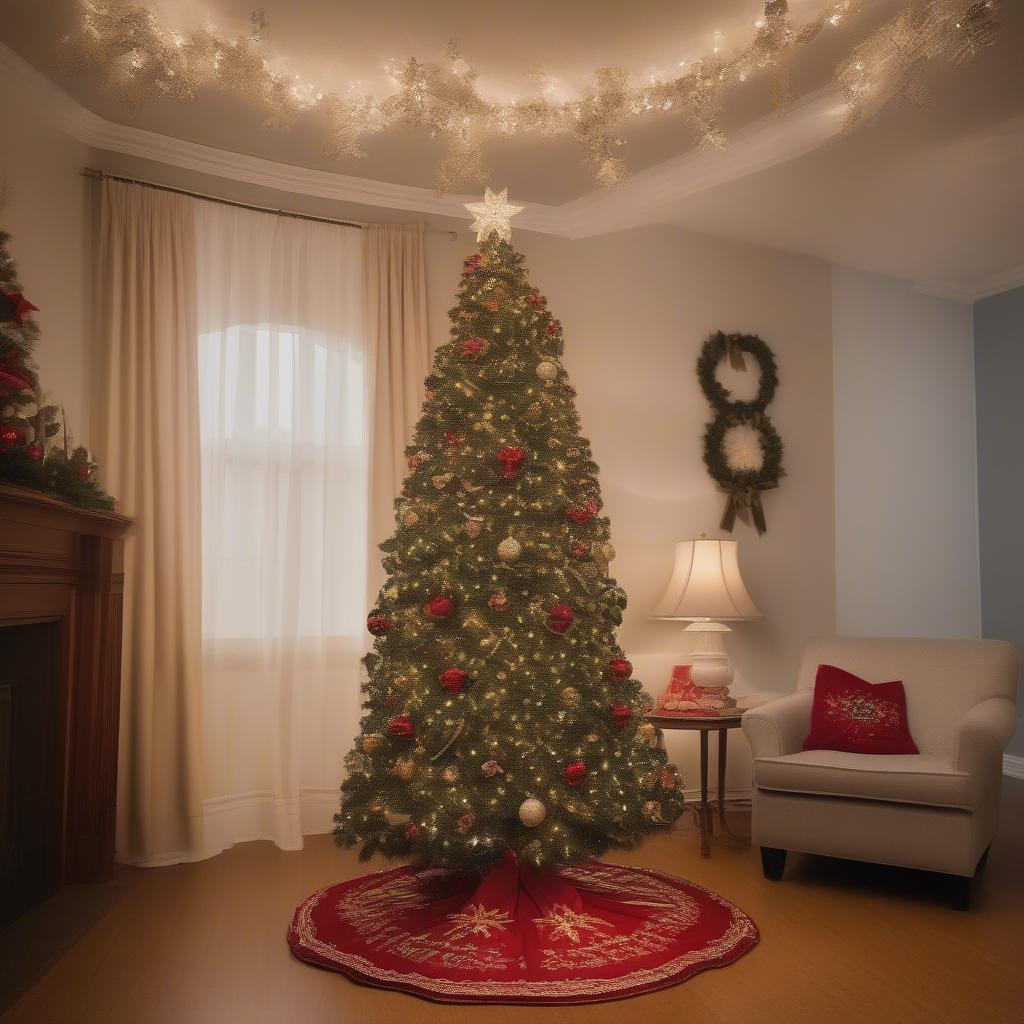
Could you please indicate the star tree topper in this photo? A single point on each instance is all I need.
(493, 215)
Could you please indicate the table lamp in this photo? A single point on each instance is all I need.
(707, 590)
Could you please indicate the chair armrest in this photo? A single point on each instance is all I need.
(983, 734)
(780, 726)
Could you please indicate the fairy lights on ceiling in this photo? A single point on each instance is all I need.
(141, 60)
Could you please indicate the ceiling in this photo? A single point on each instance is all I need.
(932, 195)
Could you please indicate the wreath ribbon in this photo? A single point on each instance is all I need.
(734, 352)
(745, 503)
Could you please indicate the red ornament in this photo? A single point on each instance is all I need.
(10, 436)
(536, 300)
(35, 451)
(580, 514)
(454, 438)
(620, 669)
(413, 462)
(498, 601)
(439, 607)
(466, 822)
(401, 727)
(579, 550)
(511, 460)
(568, 389)
(473, 347)
(17, 306)
(621, 713)
(471, 264)
(554, 327)
(560, 618)
(412, 832)
(575, 773)
(84, 470)
(378, 624)
(453, 679)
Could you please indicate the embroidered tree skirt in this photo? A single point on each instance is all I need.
(517, 935)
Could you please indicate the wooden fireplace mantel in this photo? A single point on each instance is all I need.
(64, 565)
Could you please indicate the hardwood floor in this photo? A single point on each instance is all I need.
(205, 944)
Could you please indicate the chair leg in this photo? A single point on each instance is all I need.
(773, 862)
(984, 860)
(959, 892)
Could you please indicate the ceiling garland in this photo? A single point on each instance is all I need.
(141, 60)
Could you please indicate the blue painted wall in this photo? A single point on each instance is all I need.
(999, 376)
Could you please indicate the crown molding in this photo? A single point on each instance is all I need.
(649, 196)
(974, 291)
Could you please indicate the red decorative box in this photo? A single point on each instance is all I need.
(684, 699)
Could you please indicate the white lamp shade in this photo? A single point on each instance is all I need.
(706, 584)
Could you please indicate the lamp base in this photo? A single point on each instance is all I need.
(711, 667)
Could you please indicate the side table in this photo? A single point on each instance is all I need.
(705, 724)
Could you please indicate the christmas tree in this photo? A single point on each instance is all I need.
(28, 424)
(500, 712)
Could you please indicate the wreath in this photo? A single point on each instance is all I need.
(733, 346)
(744, 482)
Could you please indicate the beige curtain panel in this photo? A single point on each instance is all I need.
(148, 419)
(398, 349)
(147, 425)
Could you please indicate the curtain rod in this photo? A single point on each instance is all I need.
(98, 175)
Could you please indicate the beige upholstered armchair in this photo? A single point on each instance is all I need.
(937, 810)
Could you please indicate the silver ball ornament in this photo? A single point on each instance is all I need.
(547, 370)
(532, 812)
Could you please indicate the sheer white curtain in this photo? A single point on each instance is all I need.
(284, 381)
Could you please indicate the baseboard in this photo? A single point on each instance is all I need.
(1013, 766)
(693, 795)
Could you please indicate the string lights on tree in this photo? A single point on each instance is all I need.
(141, 59)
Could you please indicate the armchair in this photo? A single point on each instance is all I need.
(937, 810)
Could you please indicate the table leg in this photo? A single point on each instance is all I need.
(723, 748)
(705, 810)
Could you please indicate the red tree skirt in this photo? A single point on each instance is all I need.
(581, 935)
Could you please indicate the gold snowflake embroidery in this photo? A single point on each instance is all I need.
(478, 921)
(564, 922)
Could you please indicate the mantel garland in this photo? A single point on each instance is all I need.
(142, 59)
(743, 485)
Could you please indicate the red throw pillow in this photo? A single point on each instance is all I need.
(860, 717)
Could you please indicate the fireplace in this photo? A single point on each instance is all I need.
(61, 584)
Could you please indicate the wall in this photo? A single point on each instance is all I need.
(906, 488)
(636, 307)
(46, 213)
(999, 371)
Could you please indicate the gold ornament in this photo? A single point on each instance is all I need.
(547, 370)
(532, 812)
(670, 777)
(372, 742)
(493, 216)
(450, 773)
(533, 413)
(652, 811)
(441, 481)
(509, 549)
(409, 517)
(570, 697)
(474, 526)
(498, 601)
(647, 732)
(404, 768)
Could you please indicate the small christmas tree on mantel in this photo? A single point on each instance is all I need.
(504, 742)
(28, 425)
